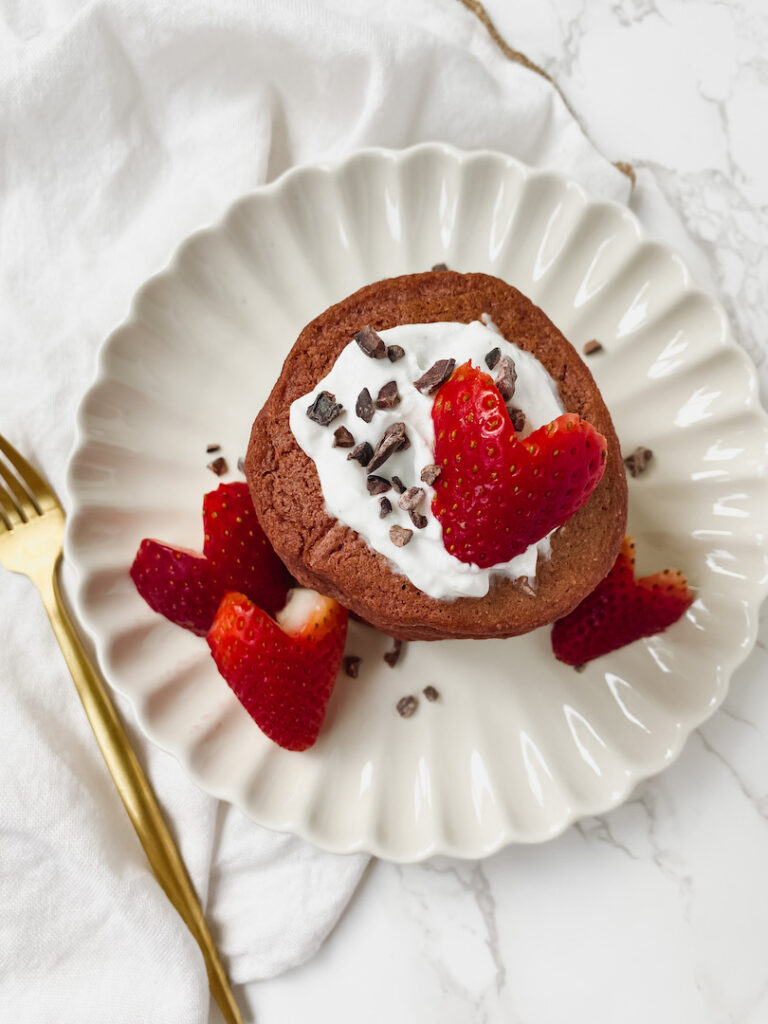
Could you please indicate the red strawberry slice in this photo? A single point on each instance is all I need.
(498, 494)
(187, 587)
(281, 672)
(240, 554)
(620, 610)
(177, 583)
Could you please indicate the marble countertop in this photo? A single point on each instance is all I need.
(657, 911)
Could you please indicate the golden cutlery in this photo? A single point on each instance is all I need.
(31, 538)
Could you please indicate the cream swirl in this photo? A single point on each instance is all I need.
(424, 561)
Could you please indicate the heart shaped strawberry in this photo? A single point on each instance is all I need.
(620, 610)
(177, 583)
(237, 548)
(283, 671)
(497, 494)
(186, 587)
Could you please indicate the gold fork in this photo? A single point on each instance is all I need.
(31, 537)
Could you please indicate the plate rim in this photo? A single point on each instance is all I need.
(368, 843)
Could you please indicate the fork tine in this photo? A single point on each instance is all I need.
(8, 510)
(43, 496)
(22, 500)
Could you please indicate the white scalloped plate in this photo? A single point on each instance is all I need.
(518, 746)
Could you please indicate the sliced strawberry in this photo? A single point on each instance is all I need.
(620, 610)
(188, 587)
(281, 672)
(238, 549)
(177, 583)
(498, 494)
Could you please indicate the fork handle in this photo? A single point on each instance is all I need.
(136, 794)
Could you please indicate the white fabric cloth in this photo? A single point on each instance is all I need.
(124, 126)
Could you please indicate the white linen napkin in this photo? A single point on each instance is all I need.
(125, 125)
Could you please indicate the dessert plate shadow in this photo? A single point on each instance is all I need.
(517, 746)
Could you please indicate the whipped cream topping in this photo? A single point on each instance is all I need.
(424, 560)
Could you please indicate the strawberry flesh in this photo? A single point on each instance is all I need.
(187, 587)
(497, 494)
(620, 610)
(177, 583)
(283, 677)
(241, 557)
